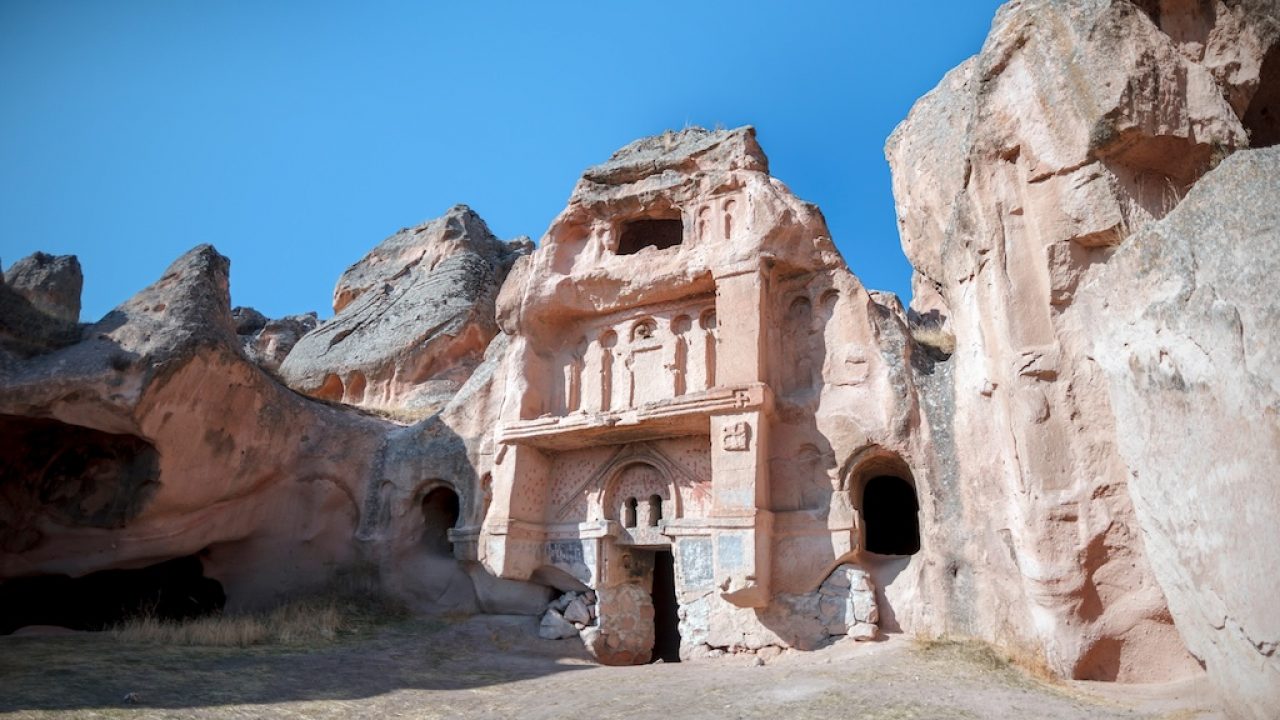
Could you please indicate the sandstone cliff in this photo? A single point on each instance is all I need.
(1079, 124)
(1185, 329)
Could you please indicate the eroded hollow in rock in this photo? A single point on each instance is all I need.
(73, 475)
(172, 590)
(1262, 117)
(439, 513)
(890, 511)
(660, 233)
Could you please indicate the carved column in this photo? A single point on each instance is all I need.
(742, 525)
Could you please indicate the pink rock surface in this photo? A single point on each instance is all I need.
(1077, 125)
(160, 440)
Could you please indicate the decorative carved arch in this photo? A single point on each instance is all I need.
(867, 462)
(597, 485)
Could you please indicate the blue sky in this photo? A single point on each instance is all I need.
(294, 136)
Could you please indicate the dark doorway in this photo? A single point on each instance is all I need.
(890, 513)
(666, 609)
(653, 232)
(439, 513)
(172, 590)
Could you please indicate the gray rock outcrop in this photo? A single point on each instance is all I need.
(412, 318)
(51, 283)
(268, 342)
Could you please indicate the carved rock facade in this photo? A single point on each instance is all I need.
(697, 392)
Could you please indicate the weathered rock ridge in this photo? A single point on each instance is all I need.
(153, 438)
(411, 319)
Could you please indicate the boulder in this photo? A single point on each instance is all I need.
(51, 283)
(554, 626)
(411, 319)
(577, 612)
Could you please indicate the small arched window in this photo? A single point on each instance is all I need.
(655, 510)
(629, 513)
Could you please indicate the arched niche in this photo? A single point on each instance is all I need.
(634, 491)
(441, 507)
(882, 489)
(601, 487)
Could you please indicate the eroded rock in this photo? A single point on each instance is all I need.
(159, 440)
(411, 319)
(1187, 341)
(1076, 126)
(268, 342)
(52, 284)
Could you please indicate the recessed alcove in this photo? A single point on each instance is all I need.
(440, 511)
(172, 590)
(890, 511)
(660, 233)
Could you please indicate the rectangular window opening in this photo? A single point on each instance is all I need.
(660, 233)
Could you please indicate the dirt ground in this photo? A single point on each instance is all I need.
(496, 667)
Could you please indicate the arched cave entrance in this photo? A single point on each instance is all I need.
(641, 496)
(172, 590)
(891, 516)
(440, 509)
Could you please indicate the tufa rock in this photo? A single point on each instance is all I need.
(40, 304)
(268, 342)
(1187, 342)
(1078, 124)
(153, 438)
(411, 319)
(51, 283)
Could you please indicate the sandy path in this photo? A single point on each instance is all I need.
(496, 668)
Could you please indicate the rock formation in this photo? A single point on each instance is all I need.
(1078, 125)
(411, 319)
(686, 419)
(40, 304)
(51, 284)
(153, 438)
(1186, 334)
(268, 342)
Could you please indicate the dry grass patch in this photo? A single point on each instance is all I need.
(403, 415)
(350, 606)
(297, 623)
(986, 656)
(934, 336)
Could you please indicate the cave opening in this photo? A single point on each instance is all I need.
(440, 511)
(173, 590)
(890, 512)
(660, 233)
(73, 475)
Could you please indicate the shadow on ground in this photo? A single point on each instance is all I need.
(97, 671)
